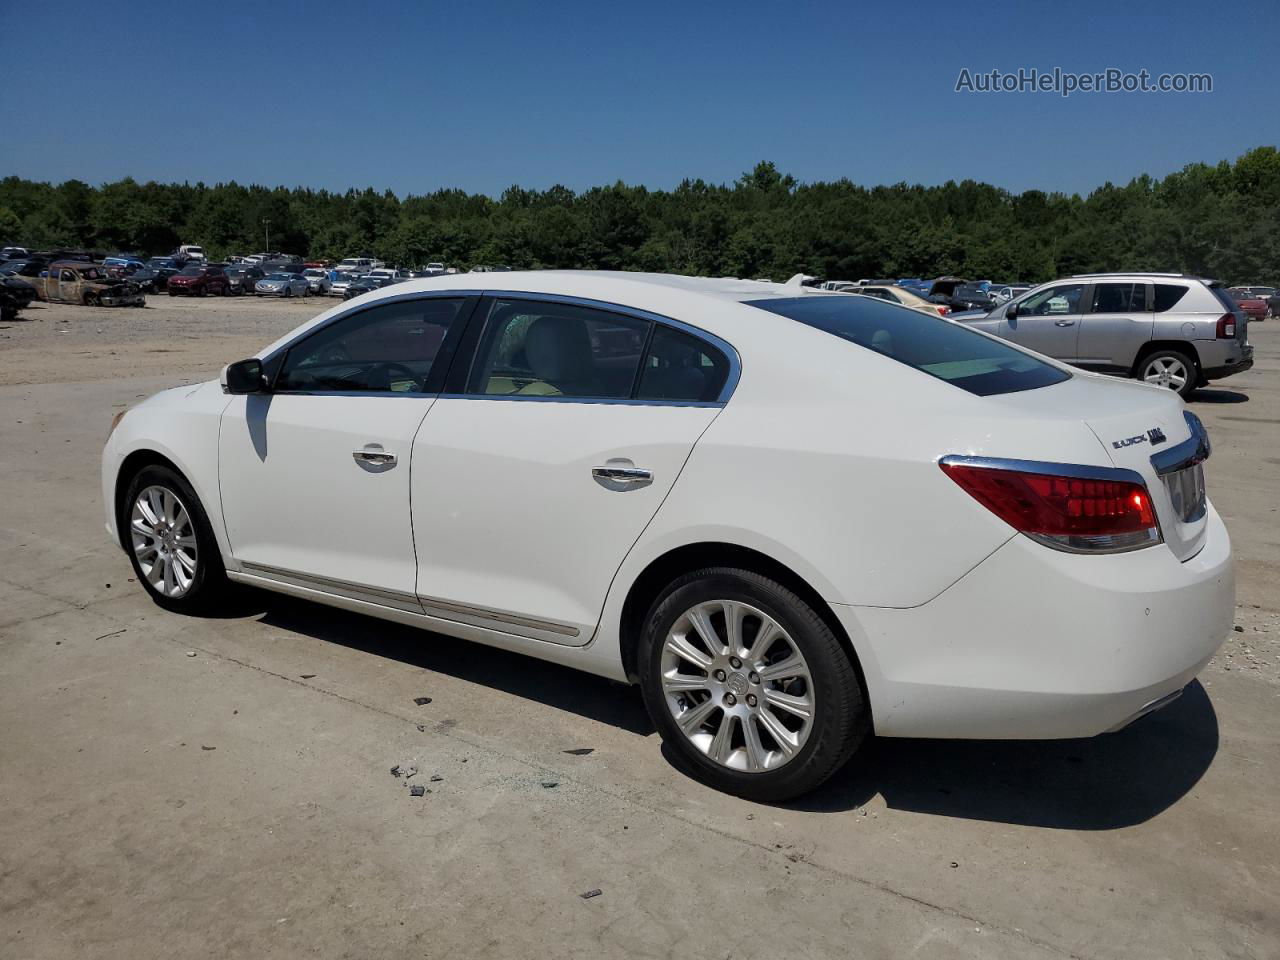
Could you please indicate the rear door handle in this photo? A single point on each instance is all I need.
(374, 454)
(1064, 323)
(621, 475)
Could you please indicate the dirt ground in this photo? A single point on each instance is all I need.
(220, 787)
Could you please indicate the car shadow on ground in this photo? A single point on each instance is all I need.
(1208, 395)
(572, 691)
(1103, 783)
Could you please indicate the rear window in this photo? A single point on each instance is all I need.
(1224, 298)
(941, 348)
(1167, 295)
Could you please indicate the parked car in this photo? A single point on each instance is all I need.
(192, 252)
(14, 253)
(32, 267)
(1006, 293)
(386, 275)
(960, 295)
(338, 286)
(435, 267)
(199, 279)
(1252, 304)
(132, 269)
(363, 285)
(779, 586)
(359, 265)
(15, 294)
(317, 280)
(74, 281)
(242, 277)
(282, 285)
(896, 294)
(1170, 330)
(165, 267)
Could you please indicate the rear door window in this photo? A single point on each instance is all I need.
(534, 348)
(941, 348)
(1119, 297)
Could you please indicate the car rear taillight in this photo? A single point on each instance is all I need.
(1081, 510)
(1227, 326)
(943, 311)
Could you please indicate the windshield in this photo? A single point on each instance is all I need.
(313, 273)
(941, 348)
(192, 271)
(280, 276)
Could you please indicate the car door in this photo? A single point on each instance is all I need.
(533, 480)
(1048, 321)
(1119, 321)
(314, 475)
(68, 286)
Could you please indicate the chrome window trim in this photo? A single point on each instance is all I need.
(1079, 471)
(613, 401)
(1195, 449)
(729, 350)
(394, 298)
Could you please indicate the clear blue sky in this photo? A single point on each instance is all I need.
(480, 95)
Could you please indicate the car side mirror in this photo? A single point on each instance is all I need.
(1011, 312)
(244, 376)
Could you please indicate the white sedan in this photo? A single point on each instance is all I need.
(792, 517)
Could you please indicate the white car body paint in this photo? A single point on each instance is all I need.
(824, 458)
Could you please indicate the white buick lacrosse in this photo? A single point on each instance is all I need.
(792, 517)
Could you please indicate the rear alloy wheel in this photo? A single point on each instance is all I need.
(170, 542)
(1172, 370)
(748, 685)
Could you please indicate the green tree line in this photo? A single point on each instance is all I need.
(1221, 221)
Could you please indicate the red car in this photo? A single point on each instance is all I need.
(200, 279)
(1253, 306)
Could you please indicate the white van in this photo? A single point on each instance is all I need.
(191, 251)
(360, 265)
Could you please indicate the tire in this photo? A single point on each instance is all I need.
(826, 684)
(1172, 369)
(208, 584)
(90, 300)
(288, 291)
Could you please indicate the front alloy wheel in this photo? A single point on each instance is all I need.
(164, 541)
(751, 689)
(170, 542)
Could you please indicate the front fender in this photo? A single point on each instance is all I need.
(181, 425)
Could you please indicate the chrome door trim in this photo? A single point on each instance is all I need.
(430, 604)
(355, 591)
(405, 601)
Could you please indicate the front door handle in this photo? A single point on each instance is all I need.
(374, 454)
(1064, 323)
(621, 475)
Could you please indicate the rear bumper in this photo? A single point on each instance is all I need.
(1218, 373)
(1038, 644)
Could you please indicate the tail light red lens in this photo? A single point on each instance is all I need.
(943, 311)
(1078, 514)
(1227, 326)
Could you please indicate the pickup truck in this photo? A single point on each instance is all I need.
(74, 281)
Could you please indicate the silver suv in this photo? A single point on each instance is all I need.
(1168, 329)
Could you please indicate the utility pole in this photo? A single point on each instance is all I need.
(266, 225)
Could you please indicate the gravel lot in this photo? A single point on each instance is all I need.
(220, 787)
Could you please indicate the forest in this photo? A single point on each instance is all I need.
(1218, 220)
